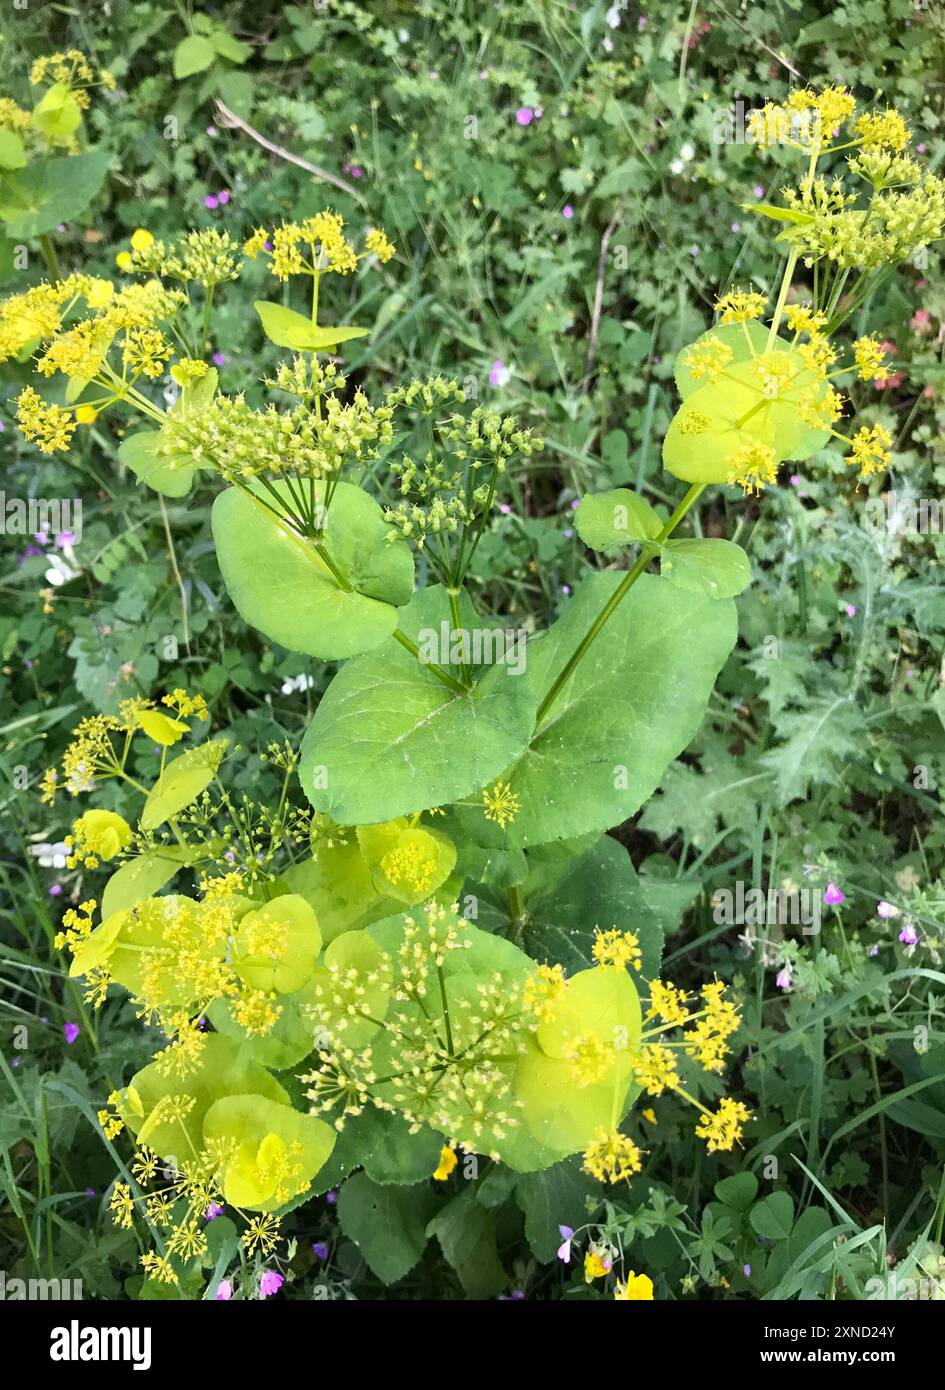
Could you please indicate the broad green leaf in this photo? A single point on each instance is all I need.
(466, 1232)
(387, 1224)
(717, 568)
(288, 329)
(609, 521)
(630, 707)
(597, 889)
(193, 54)
(282, 586)
(12, 150)
(738, 1191)
(137, 452)
(389, 738)
(558, 1196)
(181, 782)
(380, 1142)
(34, 200)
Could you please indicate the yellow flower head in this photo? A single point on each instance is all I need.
(611, 1157)
(597, 1264)
(636, 1288)
(544, 991)
(48, 426)
(739, 306)
(501, 804)
(723, 1130)
(803, 318)
(655, 1069)
(869, 355)
(871, 449)
(752, 466)
(379, 246)
(886, 129)
(667, 1003)
(708, 359)
(617, 948)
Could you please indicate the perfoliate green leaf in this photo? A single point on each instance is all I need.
(287, 329)
(389, 738)
(181, 782)
(280, 584)
(58, 115)
(631, 706)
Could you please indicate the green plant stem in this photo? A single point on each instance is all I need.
(457, 620)
(49, 256)
(438, 671)
(616, 598)
(177, 574)
(782, 299)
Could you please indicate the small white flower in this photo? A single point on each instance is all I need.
(677, 166)
(51, 856)
(607, 44)
(687, 152)
(613, 16)
(59, 572)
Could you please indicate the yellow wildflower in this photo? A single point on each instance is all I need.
(739, 306)
(637, 1288)
(617, 948)
(612, 1157)
(723, 1130)
(447, 1163)
(501, 804)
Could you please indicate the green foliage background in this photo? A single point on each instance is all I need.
(581, 250)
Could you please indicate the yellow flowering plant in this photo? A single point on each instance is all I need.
(440, 953)
(46, 176)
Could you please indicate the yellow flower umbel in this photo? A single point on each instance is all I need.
(740, 306)
(723, 1129)
(501, 804)
(612, 1157)
(314, 247)
(617, 948)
